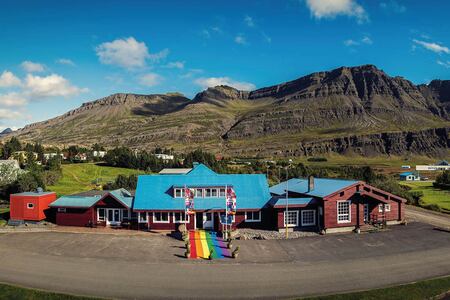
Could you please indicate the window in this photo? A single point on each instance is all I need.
(387, 208)
(214, 193)
(253, 216)
(101, 214)
(142, 217)
(125, 214)
(207, 192)
(180, 217)
(178, 193)
(30, 205)
(161, 217)
(308, 217)
(199, 193)
(291, 218)
(61, 209)
(222, 193)
(134, 215)
(343, 211)
(222, 216)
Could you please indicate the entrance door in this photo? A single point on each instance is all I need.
(366, 212)
(113, 216)
(208, 220)
(199, 220)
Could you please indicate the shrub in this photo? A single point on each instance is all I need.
(317, 159)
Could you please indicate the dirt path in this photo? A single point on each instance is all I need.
(417, 214)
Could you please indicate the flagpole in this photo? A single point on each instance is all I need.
(226, 211)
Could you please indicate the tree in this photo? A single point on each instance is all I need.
(29, 181)
(10, 147)
(443, 180)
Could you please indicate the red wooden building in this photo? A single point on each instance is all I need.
(333, 205)
(31, 206)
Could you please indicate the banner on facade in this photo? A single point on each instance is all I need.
(231, 201)
(189, 200)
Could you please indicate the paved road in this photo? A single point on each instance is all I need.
(417, 214)
(150, 267)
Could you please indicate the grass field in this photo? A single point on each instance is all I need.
(415, 291)
(80, 177)
(431, 195)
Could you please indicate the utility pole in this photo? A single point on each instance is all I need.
(287, 200)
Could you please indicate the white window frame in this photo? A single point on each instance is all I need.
(197, 194)
(216, 191)
(187, 221)
(206, 191)
(139, 217)
(314, 217)
(387, 208)
(176, 191)
(233, 219)
(224, 192)
(349, 220)
(296, 218)
(253, 219)
(98, 214)
(128, 214)
(30, 205)
(161, 212)
(62, 209)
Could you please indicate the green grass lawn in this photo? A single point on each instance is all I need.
(79, 177)
(9, 292)
(431, 195)
(414, 291)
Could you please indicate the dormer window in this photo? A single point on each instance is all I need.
(210, 192)
(199, 193)
(178, 193)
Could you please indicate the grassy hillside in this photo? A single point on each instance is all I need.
(431, 195)
(82, 177)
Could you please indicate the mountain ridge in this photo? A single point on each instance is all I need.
(347, 101)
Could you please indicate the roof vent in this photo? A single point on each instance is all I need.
(310, 183)
(39, 190)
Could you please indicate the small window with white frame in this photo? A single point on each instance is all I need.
(291, 218)
(253, 216)
(308, 217)
(221, 192)
(142, 217)
(161, 217)
(199, 193)
(222, 215)
(387, 207)
(62, 209)
(180, 217)
(30, 205)
(344, 211)
(101, 214)
(178, 193)
(214, 193)
(207, 193)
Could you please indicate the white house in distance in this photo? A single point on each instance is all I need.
(409, 176)
(100, 154)
(439, 166)
(165, 157)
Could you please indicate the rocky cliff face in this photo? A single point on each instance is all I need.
(359, 109)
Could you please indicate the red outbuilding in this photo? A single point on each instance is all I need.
(31, 206)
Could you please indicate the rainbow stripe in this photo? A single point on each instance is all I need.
(202, 242)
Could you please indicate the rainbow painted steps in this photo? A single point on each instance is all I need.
(203, 241)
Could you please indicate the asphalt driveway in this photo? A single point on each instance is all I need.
(151, 266)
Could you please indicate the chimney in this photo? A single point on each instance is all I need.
(310, 183)
(194, 164)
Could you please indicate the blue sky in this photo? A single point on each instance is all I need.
(55, 55)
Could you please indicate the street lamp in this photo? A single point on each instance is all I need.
(287, 200)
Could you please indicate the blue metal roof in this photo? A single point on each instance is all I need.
(75, 201)
(293, 201)
(154, 192)
(322, 186)
(87, 201)
(406, 174)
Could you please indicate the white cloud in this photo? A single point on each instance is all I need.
(65, 61)
(333, 8)
(240, 39)
(8, 79)
(127, 53)
(433, 47)
(249, 21)
(12, 99)
(191, 73)
(393, 6)
(156, 57)
(215, 81)
(175, 65)
(350, 43)
(50, 86)
(150, 79)
(445, 64)
(9, 114)
(32, 67)
(367, 40)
